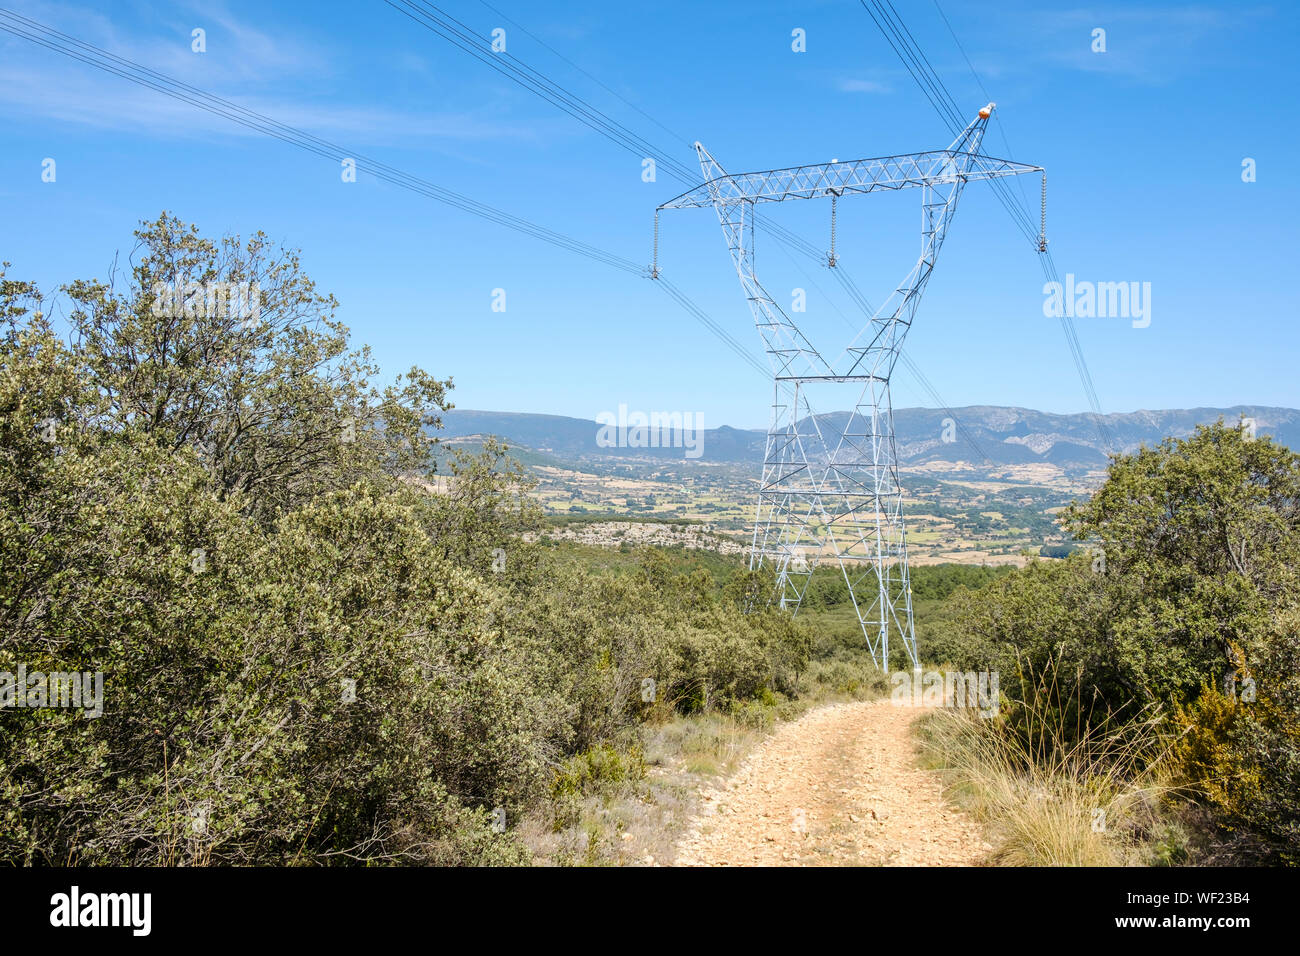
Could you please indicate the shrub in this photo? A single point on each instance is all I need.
(1191, 580)
(311, 654)
(1240, 748)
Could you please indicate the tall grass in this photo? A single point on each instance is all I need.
(1056, 784)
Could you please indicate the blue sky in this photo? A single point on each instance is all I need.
(1143, 145)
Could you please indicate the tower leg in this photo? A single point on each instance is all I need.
(864, 515)
(784, 537)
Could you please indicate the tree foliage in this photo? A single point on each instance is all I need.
(315, 649)
(1185, 600)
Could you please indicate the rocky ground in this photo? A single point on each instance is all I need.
(839, 786)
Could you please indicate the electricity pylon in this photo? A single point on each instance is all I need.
(836, 494)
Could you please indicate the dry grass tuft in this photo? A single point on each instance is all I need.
(1057, 786)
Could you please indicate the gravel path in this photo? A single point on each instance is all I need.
(839, 786)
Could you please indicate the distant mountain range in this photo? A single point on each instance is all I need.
(978, 434)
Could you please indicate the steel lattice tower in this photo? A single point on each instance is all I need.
(836, 495)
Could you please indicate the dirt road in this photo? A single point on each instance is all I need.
(839, 786)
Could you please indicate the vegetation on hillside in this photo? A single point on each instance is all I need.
(1176, 635)
(309, 657)
(327, 639)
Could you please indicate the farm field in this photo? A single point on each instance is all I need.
(966, 516)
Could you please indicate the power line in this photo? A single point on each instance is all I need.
(431, 17)
(681, 299)
(980, 83)
(520, 27)
(437, 21)
(854, 293)
(143, 76)
(897, 35)
(460, 35)
(94, 56)
(926, 77)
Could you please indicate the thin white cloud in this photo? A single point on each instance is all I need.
(1152, 44)
(107, 102)
(235, 49)
(863, 86)
(241, 61)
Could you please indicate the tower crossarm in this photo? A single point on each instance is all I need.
(835, 494)
(933, 168)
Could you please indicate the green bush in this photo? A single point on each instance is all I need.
(312, 653)
(1239, 747)
(1189, 581)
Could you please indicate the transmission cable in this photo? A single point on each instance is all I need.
(932, 86)
(94, 56)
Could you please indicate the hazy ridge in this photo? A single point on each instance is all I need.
(1001, 435)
